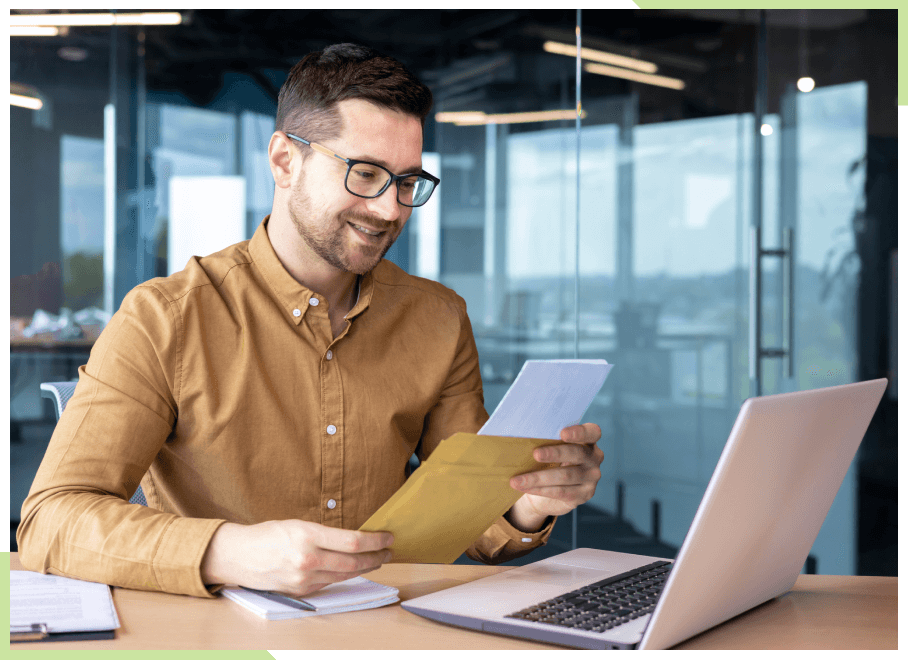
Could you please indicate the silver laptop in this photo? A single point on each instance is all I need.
(775, 481)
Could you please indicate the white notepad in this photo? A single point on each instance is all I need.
(355, 594)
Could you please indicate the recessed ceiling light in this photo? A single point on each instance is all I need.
(73, 53)
(707, 45)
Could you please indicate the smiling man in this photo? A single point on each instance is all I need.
(269, 396)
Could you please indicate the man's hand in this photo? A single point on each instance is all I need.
(291, 556)
(557, 491)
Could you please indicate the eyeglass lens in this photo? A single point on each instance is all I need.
(368, 180)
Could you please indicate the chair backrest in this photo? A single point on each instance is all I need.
(60, 393)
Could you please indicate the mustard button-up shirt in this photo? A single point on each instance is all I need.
(222, 389)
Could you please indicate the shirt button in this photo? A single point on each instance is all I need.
(331, 504)
(332, 429)
(313, 302)
(297, 313)
(329, 355)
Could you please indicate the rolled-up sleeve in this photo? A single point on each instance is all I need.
(502, 542)
(76, 520)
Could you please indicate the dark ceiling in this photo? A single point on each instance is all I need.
(487, 58)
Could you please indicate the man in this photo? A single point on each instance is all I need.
(269, 396)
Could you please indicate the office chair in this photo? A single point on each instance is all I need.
(60, 394)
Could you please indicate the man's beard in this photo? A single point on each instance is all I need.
(327, 236)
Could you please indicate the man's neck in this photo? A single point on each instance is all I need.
(338, 287)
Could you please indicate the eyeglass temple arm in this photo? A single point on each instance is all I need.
(317, 147)
(326, 151)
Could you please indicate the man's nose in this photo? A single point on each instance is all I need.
(385, 206)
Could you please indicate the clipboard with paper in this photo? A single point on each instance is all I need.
(463, 487)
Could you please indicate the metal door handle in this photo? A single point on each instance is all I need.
(757, 352)
(788, 267)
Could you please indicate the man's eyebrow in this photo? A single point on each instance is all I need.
(413, 169)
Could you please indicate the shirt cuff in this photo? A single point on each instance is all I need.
(177, 562)
(502, 542)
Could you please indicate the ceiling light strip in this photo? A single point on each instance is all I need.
(477, 118)
(600, 56)
(96, 19)
(33, 31)
(24, 96)
(636, 76)
(29, 102)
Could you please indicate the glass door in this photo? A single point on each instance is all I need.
(808, 337)
(677, 315)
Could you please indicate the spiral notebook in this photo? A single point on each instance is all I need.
(348, 596)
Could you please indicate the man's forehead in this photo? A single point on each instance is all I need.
(365, 106)
(380, 134)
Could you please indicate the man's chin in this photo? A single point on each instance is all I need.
(361, 258)
(363, 263)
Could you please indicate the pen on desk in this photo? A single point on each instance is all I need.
(283, 600)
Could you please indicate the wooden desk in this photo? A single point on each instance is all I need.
(821, 612)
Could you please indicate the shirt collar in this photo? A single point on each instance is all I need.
(366, 287)
(292, 295)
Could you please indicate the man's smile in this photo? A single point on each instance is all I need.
(366, 230)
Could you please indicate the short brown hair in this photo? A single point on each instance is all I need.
(307, 102)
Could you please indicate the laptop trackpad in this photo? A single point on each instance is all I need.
(549, 574)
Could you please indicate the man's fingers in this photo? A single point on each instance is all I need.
(587, 434)
(352, 542)
(326, 566)
(572, 475)
(342, 562)
(569, 453)
(316, 580)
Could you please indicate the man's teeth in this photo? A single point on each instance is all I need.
(366, 231)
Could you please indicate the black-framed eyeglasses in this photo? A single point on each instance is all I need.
(365, 179)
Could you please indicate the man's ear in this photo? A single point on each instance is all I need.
(280, 158)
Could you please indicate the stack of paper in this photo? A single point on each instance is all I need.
(355, 594)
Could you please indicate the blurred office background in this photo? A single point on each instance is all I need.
(628, 237)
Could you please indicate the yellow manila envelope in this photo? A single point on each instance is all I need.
(454, 496)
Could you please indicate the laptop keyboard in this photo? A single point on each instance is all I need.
(605, 604)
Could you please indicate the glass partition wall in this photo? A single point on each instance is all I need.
(664, 263)
(629, 235)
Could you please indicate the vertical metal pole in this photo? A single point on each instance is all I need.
(755, 310)
(141, 197)
(577, 242)
(756, 271)
(701, 384)
(788, 272)
(110, 179)
(577, 209)
(490, 245)
(788, 214)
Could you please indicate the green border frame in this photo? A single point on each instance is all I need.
(829, 4)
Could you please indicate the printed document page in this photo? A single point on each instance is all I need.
(62, 604)
(547, 396)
